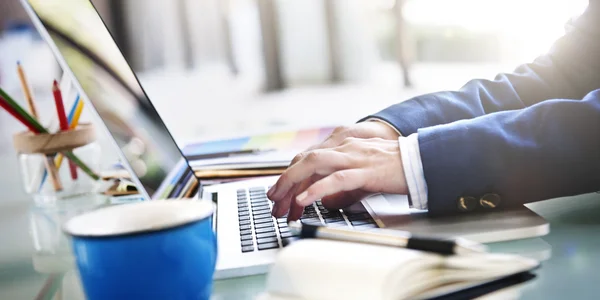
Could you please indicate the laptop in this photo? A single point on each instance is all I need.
(248, 236)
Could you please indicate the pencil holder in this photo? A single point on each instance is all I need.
(47, 174)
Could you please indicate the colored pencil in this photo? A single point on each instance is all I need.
(60, 107)
(28, 121)
(27, 91)
(48, 162)
(62, 119)
(76, 116)
(73, 109)
(52, 285)
(73, 118)
(40, 129)
(72, 125)
(73, 121)
(4, 104)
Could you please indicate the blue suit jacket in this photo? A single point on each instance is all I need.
(530, 135)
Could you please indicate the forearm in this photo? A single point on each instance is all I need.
(548, 150)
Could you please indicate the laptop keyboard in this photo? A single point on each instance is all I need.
(259, 230)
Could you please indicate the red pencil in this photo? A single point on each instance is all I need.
(60, 107)
(62, 119)
(10, 110)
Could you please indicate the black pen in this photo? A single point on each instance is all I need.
(391, 238)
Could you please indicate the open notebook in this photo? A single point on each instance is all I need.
(322, 269)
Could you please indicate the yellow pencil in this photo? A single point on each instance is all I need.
(74, 123)
(27, 91)
(76, 115)
(48, 162)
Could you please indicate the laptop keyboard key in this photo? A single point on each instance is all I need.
(264, 220)
(264, 225)
(263, 216)
(245, 232)
(244, 218)
(268, 246)
(266, 240)
(265, 235)
(356, 217)
(246, 237)
(248, 249)
(334, 220)
(331, 213)
(247, 243)
(258, 211)
(263, 230)
(245, 227)
(261, 213)
(246, 222)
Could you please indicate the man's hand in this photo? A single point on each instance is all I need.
(351, 164)
(363, 130)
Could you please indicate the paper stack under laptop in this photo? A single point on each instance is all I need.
(255, 164)
(266, 154)
(323, 269)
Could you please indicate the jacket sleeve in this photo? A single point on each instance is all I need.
(551, 149)
(569, 71)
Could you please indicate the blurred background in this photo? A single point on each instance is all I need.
(218, 68)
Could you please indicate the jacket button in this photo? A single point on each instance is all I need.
(466, 203)
(490, 200)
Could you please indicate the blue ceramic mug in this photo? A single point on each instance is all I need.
(163, 249)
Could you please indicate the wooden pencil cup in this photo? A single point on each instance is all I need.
(47, 174)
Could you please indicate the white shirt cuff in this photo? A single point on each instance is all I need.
(413, 170)
(384, 122)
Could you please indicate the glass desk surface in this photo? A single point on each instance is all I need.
(570, 253)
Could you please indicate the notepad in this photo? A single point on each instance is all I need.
(323, 269)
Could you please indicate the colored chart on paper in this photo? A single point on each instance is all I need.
(281, 141)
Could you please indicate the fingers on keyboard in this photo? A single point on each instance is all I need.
(259, 230)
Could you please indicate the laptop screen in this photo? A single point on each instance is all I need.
(109, 83)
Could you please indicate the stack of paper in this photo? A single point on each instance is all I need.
(267, 154)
